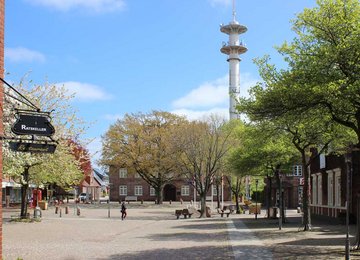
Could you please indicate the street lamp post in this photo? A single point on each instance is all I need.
(348, 180)
(256, 198)
(109, 200)
(280, 204)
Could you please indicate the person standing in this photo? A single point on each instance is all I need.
(123, 211)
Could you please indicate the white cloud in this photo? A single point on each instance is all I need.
(85, 91)
(211, 98)
(21, 54)
(214, 93)
(202, 114)
(93, 5)
(206, 95)
(220, 2)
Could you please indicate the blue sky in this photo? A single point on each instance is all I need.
(127, 56)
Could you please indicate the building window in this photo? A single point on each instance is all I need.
(152, 191)
(322, 161)
(297, 170)
(122, 173)
(319, 189)
(123, 190)
(138, 190)
(185, 190)
(330, 189)
(337, 189)
(214, 190)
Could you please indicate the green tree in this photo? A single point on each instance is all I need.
(61, 167)
(321, 83)
(323, 66)
(203, 146)
(144, 143)
(313, 129)
(262, 150)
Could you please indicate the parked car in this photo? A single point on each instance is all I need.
(82, 197)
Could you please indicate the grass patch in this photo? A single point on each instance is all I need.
(25, 220)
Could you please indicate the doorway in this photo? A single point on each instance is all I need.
(169, 192)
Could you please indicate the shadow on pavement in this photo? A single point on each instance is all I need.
(208, 252)
(190, 236)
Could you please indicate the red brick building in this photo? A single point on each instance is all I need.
(328, 185)
(292, 187)
(125, 184)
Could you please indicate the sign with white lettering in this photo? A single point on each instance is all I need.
(29, 124)
(32, 147)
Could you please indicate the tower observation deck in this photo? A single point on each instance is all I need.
(233, 48)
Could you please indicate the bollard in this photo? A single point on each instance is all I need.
(142, 201)
(78, 211)
(37, 212)
(181, 201)
(60, 212)
(56, 209)
(170, 201)
(67, 210)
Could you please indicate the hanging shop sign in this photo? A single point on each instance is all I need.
(33, 124)
(32, 147)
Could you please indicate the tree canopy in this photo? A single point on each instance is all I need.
(323, 66)
(318, 94)
(60, 168)
(144, 143)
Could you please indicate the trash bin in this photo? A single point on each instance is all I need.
(43, 205)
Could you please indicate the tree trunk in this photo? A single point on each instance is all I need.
(237, 193)
(218, 195)
(268, 197)
(306, 195)
(159, 196)
(203, 205)
(237, 203)
(24, 189)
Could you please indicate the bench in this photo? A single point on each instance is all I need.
(178, 213)
(185, 212)
(224, 211)
(103, 199)
(130, 198)
(232, 208)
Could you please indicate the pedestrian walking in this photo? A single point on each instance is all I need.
(123, 211)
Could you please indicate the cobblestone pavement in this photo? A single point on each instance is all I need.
(153, 232)
(147, 233)
(325, 241)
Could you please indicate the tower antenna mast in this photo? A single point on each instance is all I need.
(233, 49)
(234, 11)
